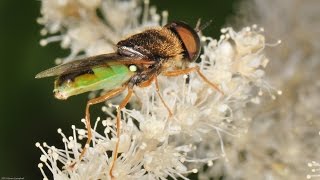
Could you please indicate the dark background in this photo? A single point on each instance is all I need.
(28, 111)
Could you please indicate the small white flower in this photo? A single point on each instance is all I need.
(315, 170)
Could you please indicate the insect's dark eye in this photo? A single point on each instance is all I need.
(189, 38)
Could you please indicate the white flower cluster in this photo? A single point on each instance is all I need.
(315, 168)
(152, 144)
(282, 141)
(93, 27)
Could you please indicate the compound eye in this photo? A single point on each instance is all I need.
(189, 38)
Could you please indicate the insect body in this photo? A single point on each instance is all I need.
(138, 61)
(108, 76)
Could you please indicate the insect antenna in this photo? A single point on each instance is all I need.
(200, 27)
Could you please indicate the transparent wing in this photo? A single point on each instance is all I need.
(90, 62)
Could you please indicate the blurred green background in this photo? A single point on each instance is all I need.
(28, 111)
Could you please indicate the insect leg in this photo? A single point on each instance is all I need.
(192, 69)
(158, 92)
(147, 83)
(138, 98)
(97, 100)
(122, 105)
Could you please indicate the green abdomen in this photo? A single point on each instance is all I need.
(105, 77)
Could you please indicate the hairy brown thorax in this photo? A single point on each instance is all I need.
(157, 43)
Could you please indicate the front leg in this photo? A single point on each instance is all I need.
(189, 70)
(148, 83)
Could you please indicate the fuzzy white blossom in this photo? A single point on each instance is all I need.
(315, 170)
(152, 144)
(85, 33)
(282, 140)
